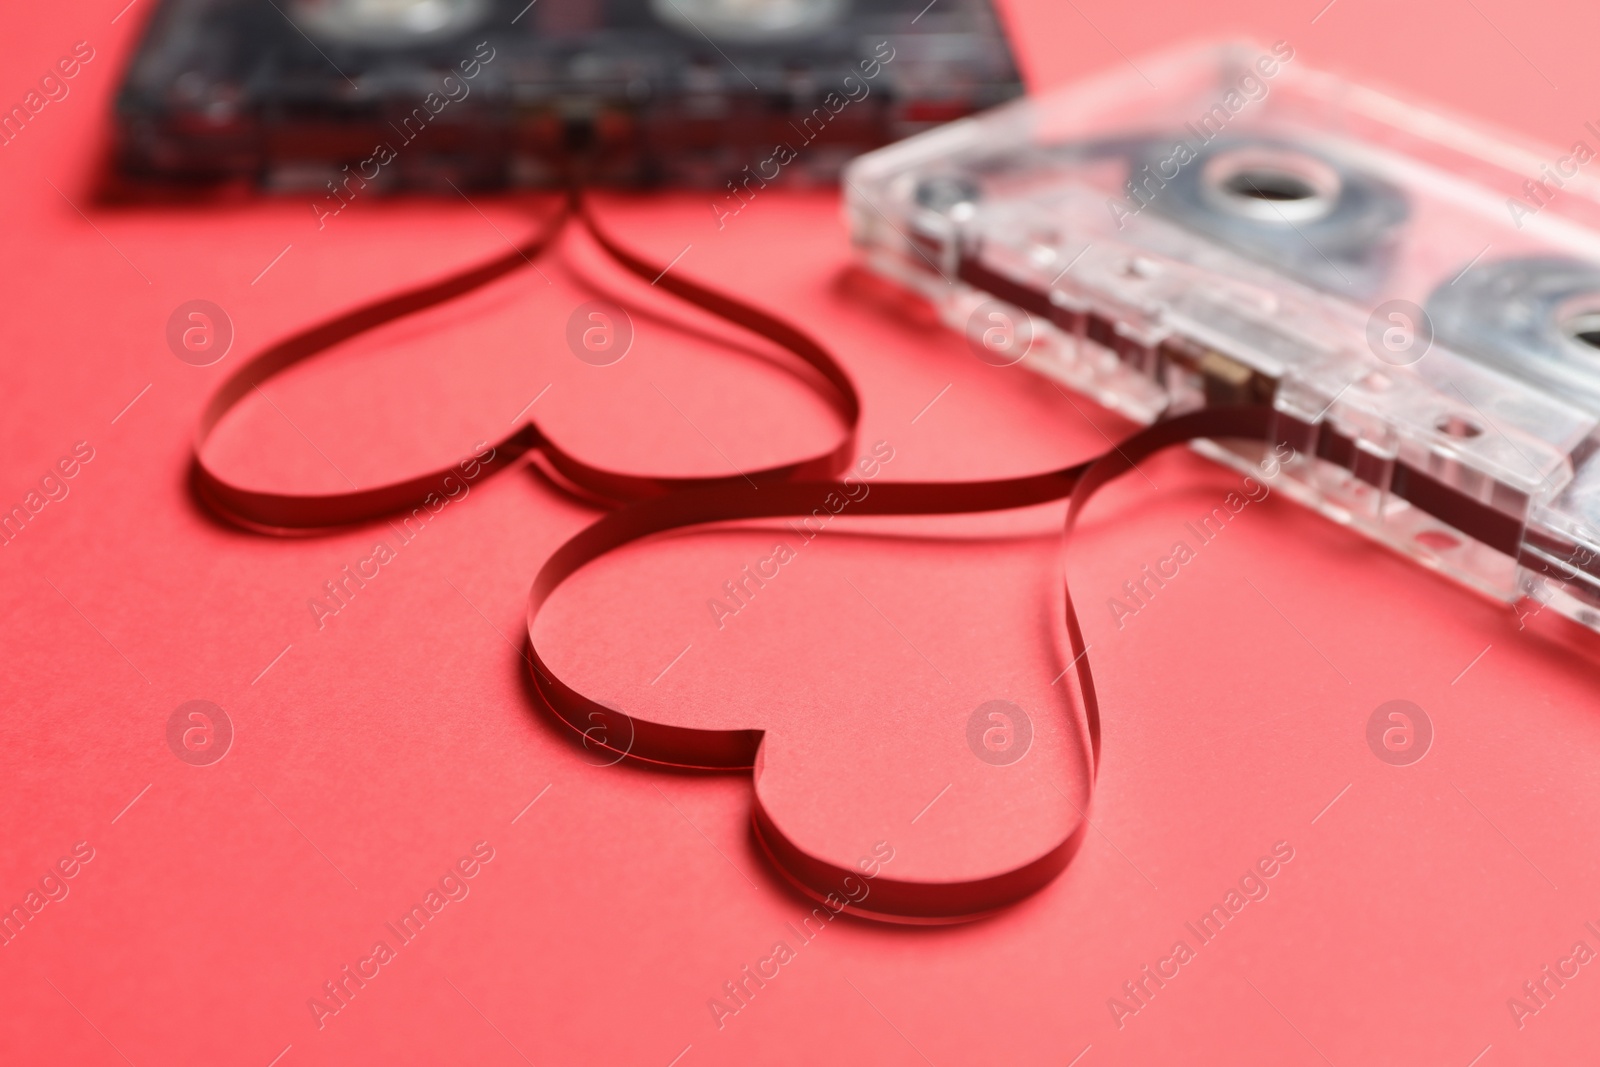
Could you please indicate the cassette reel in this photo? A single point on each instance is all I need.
(296, 94)
(1389, 280)
(1536, 318)
(387, 23)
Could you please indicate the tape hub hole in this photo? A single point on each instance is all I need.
(1270, 185)
(1583, 328)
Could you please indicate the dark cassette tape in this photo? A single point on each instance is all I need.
(1416, 298)
(290, 94)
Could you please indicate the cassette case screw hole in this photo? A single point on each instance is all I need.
(1140, 268)
(1458, 426)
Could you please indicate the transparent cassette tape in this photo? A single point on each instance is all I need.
(1417, 298)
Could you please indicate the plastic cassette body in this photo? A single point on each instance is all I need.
(1417, 299)
(287, 94)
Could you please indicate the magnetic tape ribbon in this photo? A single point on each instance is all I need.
(289, 512)
(651, 505)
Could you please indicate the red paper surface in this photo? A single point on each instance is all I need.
(370, 756)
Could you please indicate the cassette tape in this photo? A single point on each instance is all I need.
(290, 94)
(1415, 297)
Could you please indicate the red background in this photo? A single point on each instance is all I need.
(403, 732)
